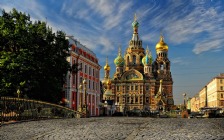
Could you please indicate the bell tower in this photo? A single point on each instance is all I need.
(162, 63)
(162, 72)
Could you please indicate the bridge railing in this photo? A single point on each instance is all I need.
(18, 109)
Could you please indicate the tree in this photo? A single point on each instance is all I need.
(32, 58)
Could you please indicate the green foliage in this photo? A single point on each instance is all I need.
(32, 58)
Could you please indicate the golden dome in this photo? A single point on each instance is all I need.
(104, 81)
(107, 67)
(108, 82)
(161, 45)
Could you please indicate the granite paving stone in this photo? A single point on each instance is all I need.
(116, 128)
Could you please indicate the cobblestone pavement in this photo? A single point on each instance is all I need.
(116, 128)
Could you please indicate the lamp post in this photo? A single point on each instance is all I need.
(117, 107)
(85, 96)
(105, 105)
(18, 93)
(184, 100)
(80, 100)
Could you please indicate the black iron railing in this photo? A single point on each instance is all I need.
(18, 109)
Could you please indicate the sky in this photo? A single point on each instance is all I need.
(193, 30)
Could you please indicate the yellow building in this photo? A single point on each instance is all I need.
(212, 95)
(140, 82)
(195, 103)
(215, 92)
(203, 97)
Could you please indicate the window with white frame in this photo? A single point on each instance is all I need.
(85, 68)
(89, 70)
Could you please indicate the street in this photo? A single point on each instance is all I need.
(120, 128)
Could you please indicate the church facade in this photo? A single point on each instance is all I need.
(140, 82)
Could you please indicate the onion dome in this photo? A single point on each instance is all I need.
(161, 45)
(104, 81)
(109, 82)
(107, 67)
(147, 59)
(135, 22)
(108, 91)
(119, 61)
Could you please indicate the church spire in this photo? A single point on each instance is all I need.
(119, 51)
(135, 17)
(107, 68)
(135, 25)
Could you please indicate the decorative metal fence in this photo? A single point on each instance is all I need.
(18, 109)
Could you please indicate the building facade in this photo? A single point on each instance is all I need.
(139, 81)
(86, 67)
(195, 103)
(212, 95)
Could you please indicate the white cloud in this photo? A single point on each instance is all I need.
(199, 26)
(102, 7)
(213, 45)
(112, 12)
(33, 8)
(90, 20)
(177, 60)
(107, 45)
(115, 19)
(180, 61)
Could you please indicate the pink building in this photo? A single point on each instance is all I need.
(88, 69)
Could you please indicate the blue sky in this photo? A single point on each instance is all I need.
(193, 30)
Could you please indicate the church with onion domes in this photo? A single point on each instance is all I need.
(139, 82)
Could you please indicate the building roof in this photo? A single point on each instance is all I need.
(79, 45)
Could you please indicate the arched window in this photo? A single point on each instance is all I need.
(161, 67)
(134, 59)
(128, 60)
(117, 69)
(147, 99)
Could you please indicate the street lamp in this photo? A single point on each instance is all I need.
(80, 100)
(117, 106)
(18, 93)
(85, 96)
(184, 100)
(105, 106)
